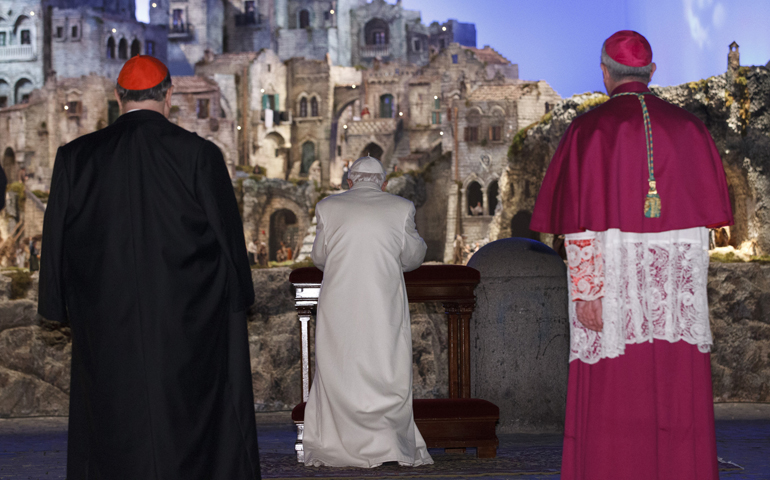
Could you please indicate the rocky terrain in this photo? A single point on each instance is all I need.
(735, 106)
(35, 353)
(739, 297)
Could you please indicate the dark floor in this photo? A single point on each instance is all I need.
(35, 448)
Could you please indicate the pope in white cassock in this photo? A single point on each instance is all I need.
(359, 412)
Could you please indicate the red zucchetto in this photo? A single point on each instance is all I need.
(142, 72)
(629, 48)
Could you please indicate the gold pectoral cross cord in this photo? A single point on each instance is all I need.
(652, 201)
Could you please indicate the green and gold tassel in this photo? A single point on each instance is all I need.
(652, 202)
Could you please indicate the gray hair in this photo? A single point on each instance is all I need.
(378, 178)
(367, 169)
(618, 71)
(157, 93)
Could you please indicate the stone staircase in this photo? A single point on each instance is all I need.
(307, 242)
(402, 149)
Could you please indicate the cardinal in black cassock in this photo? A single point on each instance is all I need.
(144, 256)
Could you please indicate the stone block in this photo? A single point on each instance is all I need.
(520, 334)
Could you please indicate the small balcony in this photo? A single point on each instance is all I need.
(16, 53)
(371, 51)
(374, 126)
(180, 31)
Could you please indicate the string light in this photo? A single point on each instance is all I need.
(400, 114)
(262, 90)
(354, 86)
(345, 127)
(32, 13)
(66, 107)
(114, 30)
(331, 11)
(154, 5)
(441, 133)
(443, 29)
(239, 127)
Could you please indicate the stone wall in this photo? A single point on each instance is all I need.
(739, 296)
(35, 354)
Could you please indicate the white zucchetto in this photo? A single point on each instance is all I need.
(367, 169)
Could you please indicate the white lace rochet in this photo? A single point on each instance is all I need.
(652, 285)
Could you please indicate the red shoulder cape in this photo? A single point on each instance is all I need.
(597, 179)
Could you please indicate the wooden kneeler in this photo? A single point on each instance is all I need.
(453, 423)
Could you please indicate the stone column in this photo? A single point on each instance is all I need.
(520, 334)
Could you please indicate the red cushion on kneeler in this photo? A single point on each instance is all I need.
(298, 413)
(435, 408)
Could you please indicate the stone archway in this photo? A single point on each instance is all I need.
(23, 90)
(741, 203)
(9, 164)
(282, 219)
(520, 226)
(373, 150)
(474, 196)
(284, 229)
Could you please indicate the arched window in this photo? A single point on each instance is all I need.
(377, 32)
(136, 48)
(6, 95)
(110, 47)
(386, 106)
(308, 156)
(123, 49)
(314, 107)
(303, 107)
(475, 199)
(23, 90)
(493, 190)
(304, 18)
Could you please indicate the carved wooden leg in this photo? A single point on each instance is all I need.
(464, 348)
(453, 357)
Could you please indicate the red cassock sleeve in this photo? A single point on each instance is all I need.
(598, 178)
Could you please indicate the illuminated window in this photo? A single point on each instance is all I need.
(471, 134)
(496, 133)
(202, 108)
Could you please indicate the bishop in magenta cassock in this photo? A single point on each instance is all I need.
(635, 214)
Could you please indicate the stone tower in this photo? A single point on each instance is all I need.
(734, 57)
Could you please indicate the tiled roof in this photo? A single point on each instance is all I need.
(230, 58)
(489, 55)
(192, 84)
